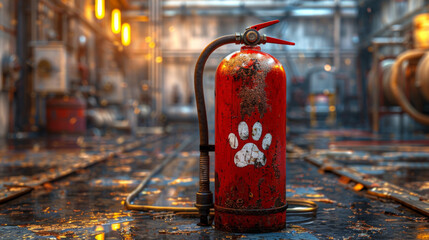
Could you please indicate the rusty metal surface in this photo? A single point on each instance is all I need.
(88, 204)
(250, 140)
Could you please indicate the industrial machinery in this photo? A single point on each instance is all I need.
(322, 96)
(403, 81)
(112, 86)
(50, 68)
(64, 113)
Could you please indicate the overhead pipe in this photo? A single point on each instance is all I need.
(398, 92)
(169, 5)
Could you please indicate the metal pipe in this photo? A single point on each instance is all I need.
(204, 196)
(401, 20)
(375, 91)
(397, 91)
(260, 5)
(337, 35)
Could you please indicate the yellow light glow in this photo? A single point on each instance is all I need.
(348, 61)
(100, 236)
(126, 34)
(421, 31)
(116, 226)
(152, 45)
(116, 21)
(148, 39)
(99, 9)
(332, 108)
(328, 67)
(99, 228)
(158, 59)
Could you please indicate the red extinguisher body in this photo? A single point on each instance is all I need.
(250, 156)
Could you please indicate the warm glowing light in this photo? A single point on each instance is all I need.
(99, 228)
(332, 108)
(100, 236)
(123, 182)
(358, 187)
(152, 45)
(116, 21)
(148, 39)
(348, 61)
(116, 226)
(421, 31)
(327, 67)
(158, 59)
(72, 120)
(126, 34)
(99, 9)
(181, 180)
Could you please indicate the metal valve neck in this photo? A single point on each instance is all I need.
(250, 37)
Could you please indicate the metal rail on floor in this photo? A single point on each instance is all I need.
(22, 189)
(374, 186)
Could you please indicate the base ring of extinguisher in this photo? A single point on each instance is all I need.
(256, 212)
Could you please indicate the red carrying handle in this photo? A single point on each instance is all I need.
(278, 41)
(258, 27)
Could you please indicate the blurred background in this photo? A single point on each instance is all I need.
(100, 66)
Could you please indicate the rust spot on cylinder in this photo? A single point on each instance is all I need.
(252, 73)
(278, 202)
(252, 91)
(240, 202)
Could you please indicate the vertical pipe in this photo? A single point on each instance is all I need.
(375, 108)
(158, 65)
(155, 73)
(21, 50)
(337, 35)
(35, 36)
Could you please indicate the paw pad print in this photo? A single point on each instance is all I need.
(250, 153)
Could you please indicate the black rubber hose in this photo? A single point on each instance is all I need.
(204, 199)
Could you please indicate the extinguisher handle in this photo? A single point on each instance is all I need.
(277, 41)
(259, 26)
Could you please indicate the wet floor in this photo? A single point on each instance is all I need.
(87, 202)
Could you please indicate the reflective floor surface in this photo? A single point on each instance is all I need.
(76, 187)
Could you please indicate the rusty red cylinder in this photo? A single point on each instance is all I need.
(65, 115)
(250, 156)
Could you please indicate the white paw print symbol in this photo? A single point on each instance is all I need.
(250, 153)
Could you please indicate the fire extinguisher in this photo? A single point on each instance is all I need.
(250, 171)
(250, 136)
